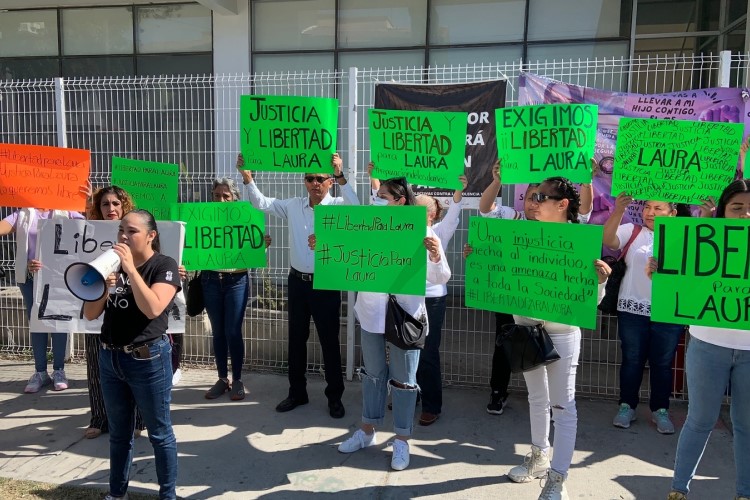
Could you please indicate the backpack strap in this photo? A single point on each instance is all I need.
(633, 236)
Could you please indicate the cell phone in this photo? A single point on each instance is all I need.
(142, 352)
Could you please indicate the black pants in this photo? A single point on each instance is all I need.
(500, 377)
(324, 306)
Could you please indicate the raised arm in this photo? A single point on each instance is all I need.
(491, 191)
(610, 239)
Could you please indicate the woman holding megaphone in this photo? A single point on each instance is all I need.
(107, 203)
(135, 358)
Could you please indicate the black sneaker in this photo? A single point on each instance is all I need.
(496, 404)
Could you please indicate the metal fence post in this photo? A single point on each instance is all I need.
(62, 136)
(725, 68)
(352, 165)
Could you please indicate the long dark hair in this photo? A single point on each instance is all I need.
(148, 219)
(122, 195)
(565, 189)
(738, 186)
(399, 188)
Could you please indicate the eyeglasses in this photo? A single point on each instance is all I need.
(319, 178)
(541, 197)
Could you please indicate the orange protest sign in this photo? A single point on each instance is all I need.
(43, 177)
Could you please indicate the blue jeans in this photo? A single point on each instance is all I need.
(39, 340)
(127, 381)
(225, 296)
(428, 374)
(642, 339)
(379, 376)
(710, 368)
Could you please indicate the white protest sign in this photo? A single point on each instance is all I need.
(62, 242)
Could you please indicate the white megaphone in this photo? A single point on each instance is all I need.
(88, 282)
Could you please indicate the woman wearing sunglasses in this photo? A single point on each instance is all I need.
(555, 200)
(640, 338)
(397, 372)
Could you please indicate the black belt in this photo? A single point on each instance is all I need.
(301, 275)
(130, 347)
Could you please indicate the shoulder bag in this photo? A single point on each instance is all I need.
(194, 303)
(526, 347)
(401, 328)
(608, 305)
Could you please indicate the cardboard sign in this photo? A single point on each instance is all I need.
(222, 235)
(43, 177)
(62, 242)
(538, 142)
(153, 186)
(426, 147)
(288, 133)
(675, 160)
(703, 272)
(541, 270)
(371, 249)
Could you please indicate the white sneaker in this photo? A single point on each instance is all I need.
(534, 466)
(60, 380)
(176, 377)
(360, 439)
(400, 458)
(37, 381)
(554, 487)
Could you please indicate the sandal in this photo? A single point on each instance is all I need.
(92, 433)
(238, 390)
(219, 388)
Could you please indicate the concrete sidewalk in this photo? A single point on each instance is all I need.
(247, 450)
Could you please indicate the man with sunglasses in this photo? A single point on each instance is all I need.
(324, 306)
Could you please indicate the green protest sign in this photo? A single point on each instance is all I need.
(371, 249)
(220, 235)
(537, 142)
(426, 147)
(703, 271)
(152, 185)
(288, 133)
(675, 160)
(536, 269)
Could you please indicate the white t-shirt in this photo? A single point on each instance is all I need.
(722, 337)
(635, 290)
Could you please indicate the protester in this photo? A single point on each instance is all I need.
(304, 301)
(134, 362)
(25, 224)
(107, 203)
(225, 294)
(553, 385)
(717, 358)
(397, 372)
(641, 339)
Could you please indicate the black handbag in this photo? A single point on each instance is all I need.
(194, 303)
(401, 328)
(526, 347)
(608, 305)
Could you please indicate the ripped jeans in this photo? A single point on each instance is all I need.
(401, 366)
(555, 385)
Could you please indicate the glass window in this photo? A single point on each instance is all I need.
(586, 50)
(385, 59)
(477, 55)
(28, 33)
(199, 64)
(173, 28)
(677, 16)
(476, 21)
(98, 66)
(97, 31)
(737, 9)
(387, 23)
(295, 63)
(294, 25)
(555, 20)
(29, 69)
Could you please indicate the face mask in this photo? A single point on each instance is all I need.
(378, 201)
